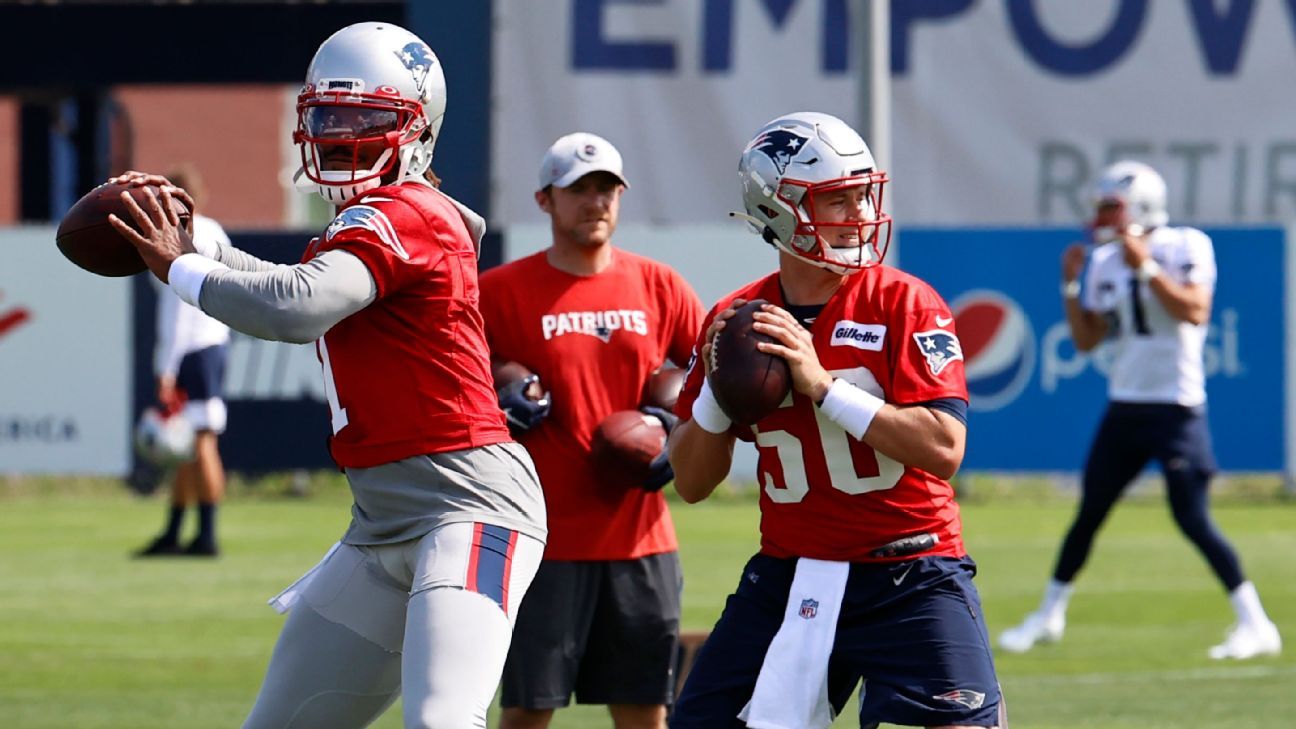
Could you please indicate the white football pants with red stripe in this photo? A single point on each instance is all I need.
(430, 619)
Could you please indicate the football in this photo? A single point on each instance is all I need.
(748, 383)
(627, 441)
(87, 239)
(663, 388)
(506, 373)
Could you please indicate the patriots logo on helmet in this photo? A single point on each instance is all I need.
(418, 58)
(368, 218)
(939, 348)
(780, 145)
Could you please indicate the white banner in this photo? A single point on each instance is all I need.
(65, 348)
(679, 86)
(1003, 111)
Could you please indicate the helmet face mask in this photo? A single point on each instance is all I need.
(793, 164)
(353, 140)
(370, 111)
(813, 237)
(1129, 197)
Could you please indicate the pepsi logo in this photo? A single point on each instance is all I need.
(998, 347)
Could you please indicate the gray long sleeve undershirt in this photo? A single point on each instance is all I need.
(237, 259)
(286, 303)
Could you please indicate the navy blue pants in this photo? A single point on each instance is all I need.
(1131, 435)
(912, 630)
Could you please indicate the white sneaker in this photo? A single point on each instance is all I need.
(1248, 640)
(1036, 628)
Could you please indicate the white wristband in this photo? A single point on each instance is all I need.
(708, 414)
(1070, 289)
(850, 407)
(187, 274)
(1149, 269)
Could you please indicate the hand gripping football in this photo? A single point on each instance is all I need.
(87, 239)
(748, 383)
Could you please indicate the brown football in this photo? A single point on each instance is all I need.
(505, 373)
(663, 388)
(627, 441)
(748, 383)
(87, 239)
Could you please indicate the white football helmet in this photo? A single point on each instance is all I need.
(369, 83)
(796, 157)
(1140, 194)
(164, 440)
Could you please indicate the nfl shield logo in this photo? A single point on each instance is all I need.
(809, 608)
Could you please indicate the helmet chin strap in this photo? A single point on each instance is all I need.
(1109, 233)
(338, 188)
(841, 255)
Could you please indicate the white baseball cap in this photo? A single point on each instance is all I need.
(576, 155)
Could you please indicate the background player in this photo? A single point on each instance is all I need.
(862, 571)
(1149, 289)
(189, 361)
(602, 617)
(448, 521)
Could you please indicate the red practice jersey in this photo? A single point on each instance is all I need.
(410, 373)
(594, 341)
(824, 494)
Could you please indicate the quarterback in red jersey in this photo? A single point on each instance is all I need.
(419, 597)
(593, 321)
(861, 572)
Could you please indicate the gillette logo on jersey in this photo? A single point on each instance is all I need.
(597, 324)
(859, 336)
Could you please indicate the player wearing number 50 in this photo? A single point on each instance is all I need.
(447, 528)
(861, 572)
(1148, 290)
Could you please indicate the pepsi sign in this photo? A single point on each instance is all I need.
(998, 347)
(1035, 401)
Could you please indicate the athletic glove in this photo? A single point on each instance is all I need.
(522, 412)
(667, 418)
(660, 472)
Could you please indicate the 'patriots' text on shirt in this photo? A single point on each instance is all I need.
(599, 324)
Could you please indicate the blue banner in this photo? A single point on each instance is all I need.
(1036, 402)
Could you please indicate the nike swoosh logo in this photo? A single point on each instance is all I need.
(903, 575)
(944, 321)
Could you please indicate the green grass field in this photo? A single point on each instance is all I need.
(90, 639)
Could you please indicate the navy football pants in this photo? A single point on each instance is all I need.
(1131, 435)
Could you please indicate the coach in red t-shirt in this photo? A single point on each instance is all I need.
(594, 322)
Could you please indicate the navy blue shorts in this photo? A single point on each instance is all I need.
(202, 373)
(912, 630)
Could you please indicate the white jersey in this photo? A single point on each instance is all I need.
(182, 328)
(1156, 358)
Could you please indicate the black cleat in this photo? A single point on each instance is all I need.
(202, 548)
(160, 547)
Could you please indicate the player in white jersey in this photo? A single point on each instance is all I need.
(189, 362)
(1148, 291)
